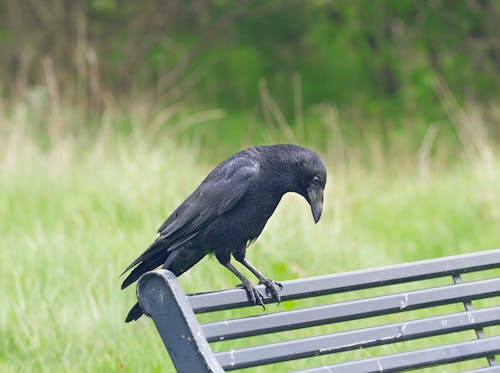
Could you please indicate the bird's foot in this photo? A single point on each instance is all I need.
(254, 296)
(272, 288)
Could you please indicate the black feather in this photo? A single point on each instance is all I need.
(134, 313)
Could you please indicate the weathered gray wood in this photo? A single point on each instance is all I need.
(355, 280)
(351, 310)
(492, 361)
(162, 298)
(417, 359)
(354, 339)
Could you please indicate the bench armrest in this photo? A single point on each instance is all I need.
(162, 298)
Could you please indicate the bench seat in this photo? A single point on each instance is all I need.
(381, 306)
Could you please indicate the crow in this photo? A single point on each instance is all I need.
(229, 210)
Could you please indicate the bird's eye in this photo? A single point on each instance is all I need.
(315, 180)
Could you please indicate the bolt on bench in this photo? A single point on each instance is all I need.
(187, 341)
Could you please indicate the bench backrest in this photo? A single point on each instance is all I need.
(187, 340)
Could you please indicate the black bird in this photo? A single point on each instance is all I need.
(229, 210)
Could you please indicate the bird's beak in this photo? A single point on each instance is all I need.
(315, 194)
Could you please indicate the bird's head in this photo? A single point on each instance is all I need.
(311, 173)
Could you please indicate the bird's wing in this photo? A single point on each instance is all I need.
(218, 193)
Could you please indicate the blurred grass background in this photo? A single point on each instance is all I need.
(111, 113)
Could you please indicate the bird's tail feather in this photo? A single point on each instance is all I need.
(148, 265)
(153, 249)
(134, 313)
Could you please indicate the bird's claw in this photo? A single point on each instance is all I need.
(271, 288)
(254, 296)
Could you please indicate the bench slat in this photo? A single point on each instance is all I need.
(354, 339)
(355, 280)
(350, 310)
(418, 358)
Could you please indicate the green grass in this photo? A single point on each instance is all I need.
(77, 211)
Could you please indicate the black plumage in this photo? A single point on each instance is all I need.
(229, 210)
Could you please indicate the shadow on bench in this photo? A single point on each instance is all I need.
(187, 341)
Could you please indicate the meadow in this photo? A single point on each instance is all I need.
(77, 206)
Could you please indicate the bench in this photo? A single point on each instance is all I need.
(387, 306)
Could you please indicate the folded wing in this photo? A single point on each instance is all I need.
(221, 190)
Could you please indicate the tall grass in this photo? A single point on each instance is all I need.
(78, 205)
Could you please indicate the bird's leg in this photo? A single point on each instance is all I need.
(254, 296)
(271, 285)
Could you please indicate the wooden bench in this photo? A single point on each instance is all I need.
(187, 340)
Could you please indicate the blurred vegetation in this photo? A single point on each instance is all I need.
(111, 112)
(366, 58)
(77, 207)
